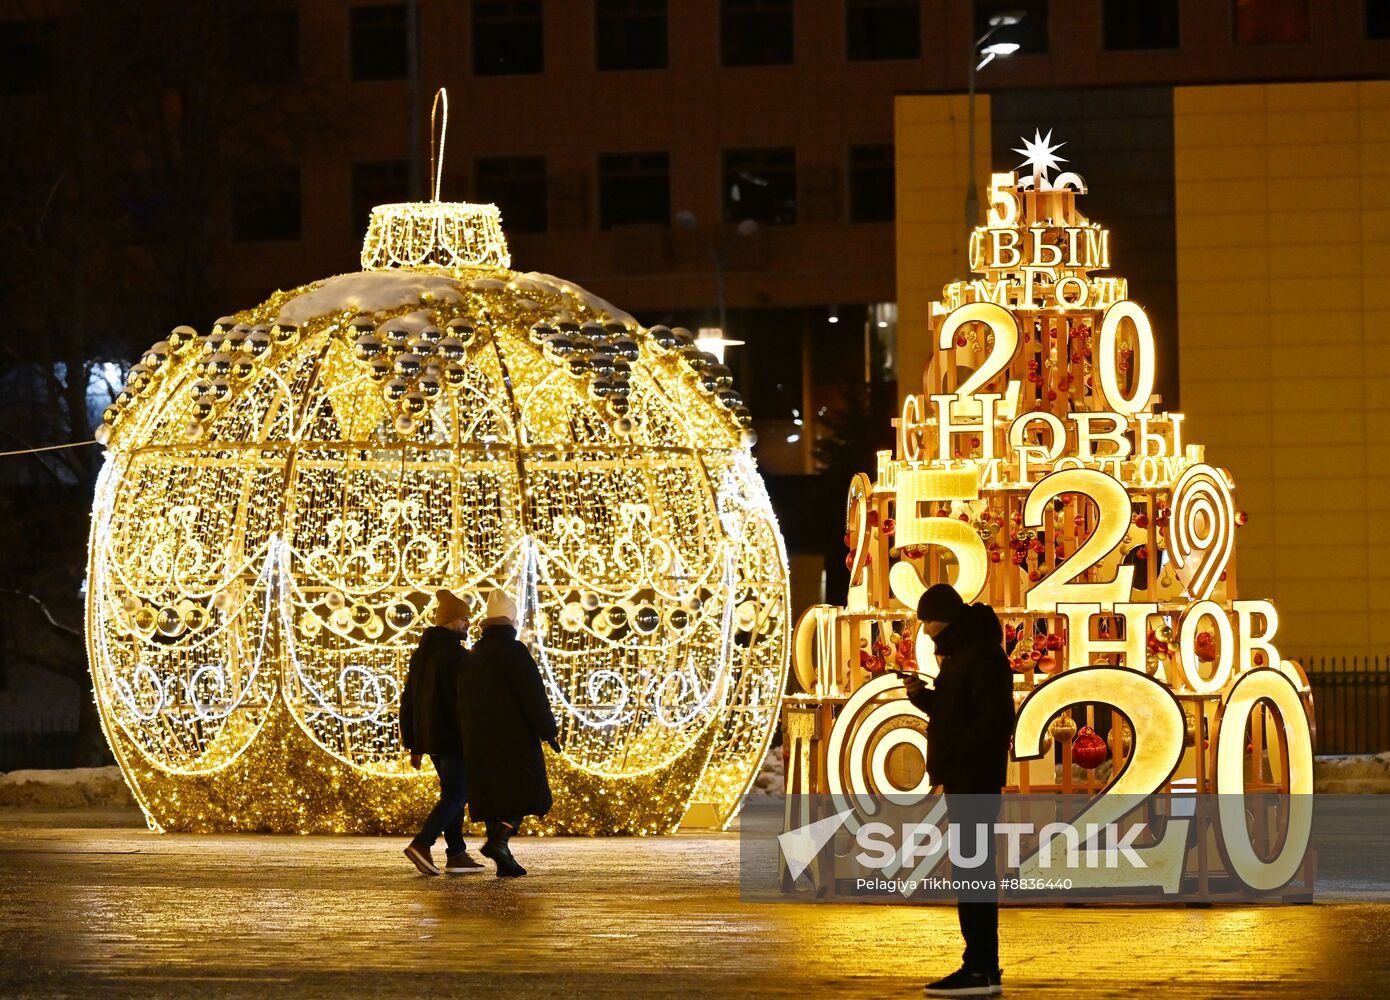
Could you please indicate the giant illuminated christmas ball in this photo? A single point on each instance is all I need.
(283, 493)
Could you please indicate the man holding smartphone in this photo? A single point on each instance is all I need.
(971, 720)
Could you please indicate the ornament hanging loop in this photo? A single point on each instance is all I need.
(439, 111)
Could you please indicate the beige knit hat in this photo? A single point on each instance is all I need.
(500, 608)
(449, 608)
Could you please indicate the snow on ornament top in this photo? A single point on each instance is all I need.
(283, 493)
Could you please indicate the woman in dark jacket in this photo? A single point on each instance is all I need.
(970, 716)
(504, 717)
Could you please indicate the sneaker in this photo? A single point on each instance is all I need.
(421, 857)
(963, 983)
(461, 864)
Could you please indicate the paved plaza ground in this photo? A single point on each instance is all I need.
(96, 906)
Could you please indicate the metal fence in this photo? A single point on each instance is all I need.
(37, 743)
(1351, 702)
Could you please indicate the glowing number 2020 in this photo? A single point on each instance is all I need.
(1113, 505)
(1158, 725)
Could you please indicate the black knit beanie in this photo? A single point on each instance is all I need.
(941, 603)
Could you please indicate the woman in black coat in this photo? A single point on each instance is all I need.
(504, 716)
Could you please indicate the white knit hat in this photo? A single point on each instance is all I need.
(501, 607)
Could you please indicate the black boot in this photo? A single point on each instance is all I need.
(498, 833)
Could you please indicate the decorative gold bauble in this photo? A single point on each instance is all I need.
(369, 438)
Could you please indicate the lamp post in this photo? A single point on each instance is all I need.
(997, 50)
(718, 253)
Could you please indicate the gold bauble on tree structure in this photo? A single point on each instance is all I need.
(282, 495)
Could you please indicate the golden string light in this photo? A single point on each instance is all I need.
(281, 495)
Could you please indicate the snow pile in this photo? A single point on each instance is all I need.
(367, 292)
(772, 779)
(73, 788)
(1351, 774)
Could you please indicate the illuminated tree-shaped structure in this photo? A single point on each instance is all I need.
(282, 495)
(1033, 472)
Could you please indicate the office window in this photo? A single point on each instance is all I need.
(379, 46)
(1140, 24)
(630, 34)
(267, 44)
(1377, 19)
(517, 186)
(755, 32)
(1030, 33)
(760, 184)
(26, 56)
(1271, 22)
(508, 37)
(266, 204)
(634, 188)
(383, 182)
(882, 29)
(871, 195)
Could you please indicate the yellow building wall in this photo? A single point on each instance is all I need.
(1283, 242)
(931, 148)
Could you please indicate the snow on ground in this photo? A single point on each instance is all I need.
(73, 788)
(1352, 774)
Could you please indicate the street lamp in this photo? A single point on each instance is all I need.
(985, 54)
(719, 254)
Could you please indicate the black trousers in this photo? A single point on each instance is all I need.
(978, 909)
(495, 827)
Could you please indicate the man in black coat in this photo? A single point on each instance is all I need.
(505, 717)
(971, 720)
(429, 725)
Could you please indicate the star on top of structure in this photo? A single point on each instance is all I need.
(1039, 154)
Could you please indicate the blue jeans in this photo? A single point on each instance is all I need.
(447, 815)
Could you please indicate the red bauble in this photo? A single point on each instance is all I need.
(889, 526)
(1088, 749)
